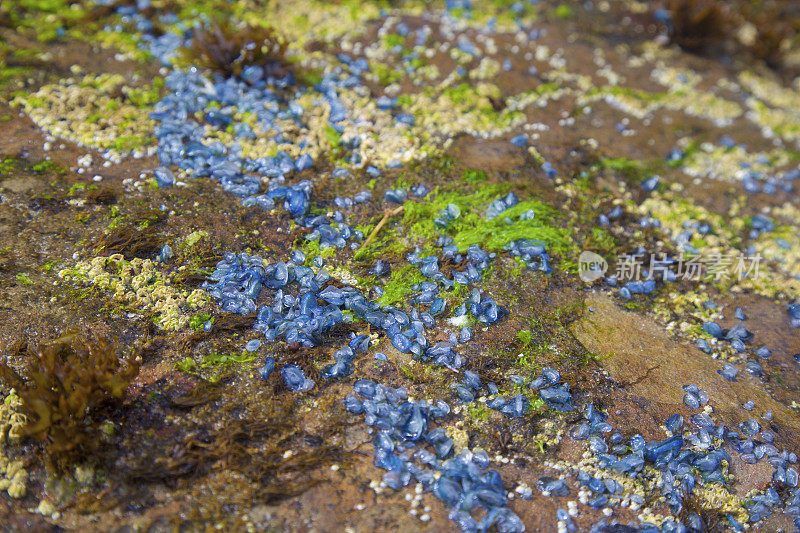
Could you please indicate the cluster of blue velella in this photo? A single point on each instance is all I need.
(604, 219)
(295, 379)
(473, 263)
(753, 181)
(616, 212)
(305, 306)
(345, 202)
(695, 397)
(759, 225)
(197, 101)
(180, 135)
(739, 337)
(401, 196)
(344, 357)
(644, 281)
(513, 407)
(409, 448)
(483, 308)
(499, 205)
(637, 287)
(270, 99)
(447, 215)
(594, 423)
(696, 452)
(532, 252)
(180, 143)
(556, 395)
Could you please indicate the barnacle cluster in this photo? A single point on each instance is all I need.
(13, 476)
(139, 282)
(95, 111)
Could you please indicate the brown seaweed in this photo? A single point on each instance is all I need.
(698, 25)
(72, 381)
(225, 48)
(142, 239)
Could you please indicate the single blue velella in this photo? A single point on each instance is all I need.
(365, 388)
(294, 378)
(463, 392)
(713, 329)
(472, 379)
(353, 404)
(164, 177)
(401, 342)
(703, 345)
(753, 368)
(520, 140)
(341, 368)
(165, 254)
(764, 352)
(580, 432)
(553, 487)
(674, 423)
(267, 368)
(739, 332)
(691, 400)
(729, 372)
(304, 162)
(557, 397)
(651, 184)
(252, 345)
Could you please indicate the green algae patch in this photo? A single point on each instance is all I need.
(386, 243)
(524, 336)
(495, 233)
(472, 227)
(636, 170)
(195, 237)
(213, 366)
(472, 175)
(49, 166)
(200, 320)
(24, 279)
(11, 75)
(8, 165)
(400, 283)
(47, 19)
(216, 359)
(563, 11)
(312, 249)
(128, 43)
(601, 239)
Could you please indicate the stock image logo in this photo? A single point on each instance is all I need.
(636, 267)
(591, 266)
